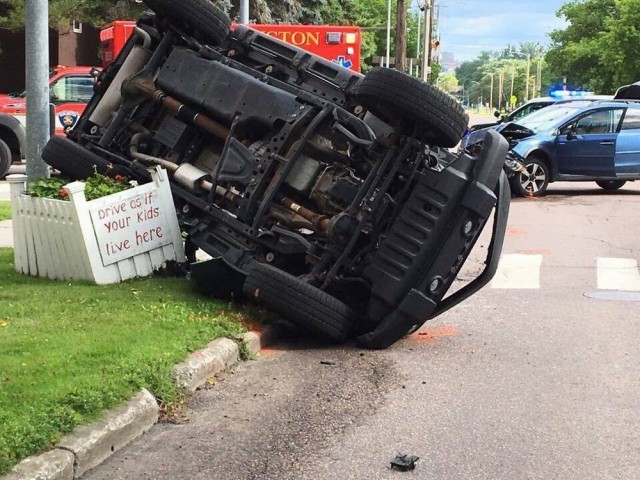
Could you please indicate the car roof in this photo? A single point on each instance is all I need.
(555, 100)
(594, 105)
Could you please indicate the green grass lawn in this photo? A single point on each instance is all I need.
(69, 350)
(5, 210)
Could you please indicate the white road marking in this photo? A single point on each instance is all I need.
(518, 271)
(618, 274)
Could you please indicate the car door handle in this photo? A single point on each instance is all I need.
(607, 142)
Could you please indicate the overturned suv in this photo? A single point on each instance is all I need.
(327, 196)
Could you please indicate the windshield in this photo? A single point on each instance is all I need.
(547, 118)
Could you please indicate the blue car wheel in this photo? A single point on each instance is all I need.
(533, 182)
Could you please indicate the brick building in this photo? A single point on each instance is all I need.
(77, 45)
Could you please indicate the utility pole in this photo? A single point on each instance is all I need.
(37, 74)
(426, 50)
(491, 93)
(401, 35)
(418, 45)
(244, 11)
(388, 32)
(500, 86)
(513, 76)
(526, 96)
(539, 76)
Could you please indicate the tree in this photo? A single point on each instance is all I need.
(598, 48)
(449, 83)
(63, 12)
(401, 35)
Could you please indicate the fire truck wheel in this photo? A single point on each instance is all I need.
(201, 18)
(75, 161)
(406, 103)
(298, 302)
(5, 158)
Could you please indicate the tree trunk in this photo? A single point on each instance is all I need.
(401, 35)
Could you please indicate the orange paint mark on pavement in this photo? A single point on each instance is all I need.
(267, 351)
(515, 231)
(431, 335)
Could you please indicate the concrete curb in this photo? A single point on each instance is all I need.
(90, 445)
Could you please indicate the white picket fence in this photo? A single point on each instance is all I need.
(58, 239)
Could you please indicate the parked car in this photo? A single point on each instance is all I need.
(536, 104)
(329, 197)
(579, 141)
(70, 87)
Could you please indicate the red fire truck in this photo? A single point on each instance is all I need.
(113, 37)
(340, 44)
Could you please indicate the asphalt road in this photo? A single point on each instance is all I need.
(528, 379)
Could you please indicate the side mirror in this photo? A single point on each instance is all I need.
(496, 114)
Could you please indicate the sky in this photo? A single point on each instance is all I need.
(468, 27)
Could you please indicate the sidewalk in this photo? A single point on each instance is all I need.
(6, 234)
(4, 191)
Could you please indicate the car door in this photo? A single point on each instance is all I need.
(627, 159)
(586, 146)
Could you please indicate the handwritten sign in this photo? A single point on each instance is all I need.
(130, 223)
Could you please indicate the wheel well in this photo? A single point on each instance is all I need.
(11, 139)
(544, 157)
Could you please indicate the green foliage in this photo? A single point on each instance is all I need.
(5, 210)
(449, 83)
(47, 187)
(63, 12)
(96, 186)
(74, 349)
(598, 48)
(515, 65)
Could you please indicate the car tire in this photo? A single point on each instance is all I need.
(401, 101)
(533, 182)
(299, 302)
(5, 158)
(201, 18)
(75, 161)
(610, 184)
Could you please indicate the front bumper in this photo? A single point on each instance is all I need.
(486, 192)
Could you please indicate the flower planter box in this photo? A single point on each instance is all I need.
(107, 240)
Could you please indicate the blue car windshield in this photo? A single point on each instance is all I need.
(547, 118)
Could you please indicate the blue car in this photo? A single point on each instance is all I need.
(579, 141)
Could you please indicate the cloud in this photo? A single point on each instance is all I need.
(466, 33)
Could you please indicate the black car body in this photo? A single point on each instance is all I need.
(330, 197)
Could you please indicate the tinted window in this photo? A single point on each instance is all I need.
(631, 120)
(599, 121)
(72, 89)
